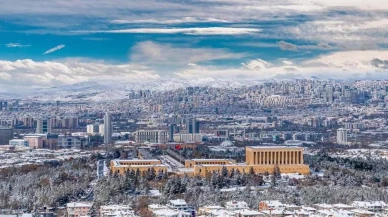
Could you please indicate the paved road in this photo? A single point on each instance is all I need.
(171, 162)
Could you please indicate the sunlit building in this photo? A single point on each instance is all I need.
(260, 159)
(122, 166)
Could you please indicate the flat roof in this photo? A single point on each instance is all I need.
(224, 165)
(74, 204)
(247, 212)
(211, 159)
(139, 166)
(155, 165)
(178, 202)
(273, 147)
(138, 160)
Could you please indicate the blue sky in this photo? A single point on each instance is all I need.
(51, 43)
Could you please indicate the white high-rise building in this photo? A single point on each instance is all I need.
(152, 136)
(342, 136)
(101, 129)
(43, 126)
(107, 128)
(92, 129)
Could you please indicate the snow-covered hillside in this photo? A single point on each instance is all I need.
(106, 90)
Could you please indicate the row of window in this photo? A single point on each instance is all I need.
(133, 163)
(282, 157)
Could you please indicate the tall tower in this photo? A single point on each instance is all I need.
(43, 126)
(342, 136)
(107, 128)
(171, 132)
(195, 126)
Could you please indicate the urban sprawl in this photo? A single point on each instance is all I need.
(301, 148)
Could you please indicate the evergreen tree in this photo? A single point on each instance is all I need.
(220, 181)
(138, 174)
(159, 176)
(213, 180)
(251, 171)
(273, 180)
(165, 175)
(224, 172)
(127, 181)
(153, 174)
(276, 172)
(232, 172)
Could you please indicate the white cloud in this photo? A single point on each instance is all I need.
(50, 73)
(287, 62)
(338, 65)
(344, 30)
(349, 60)
(257, 64)
(170, 21)
(293, 47)
(17, 45)
(359, 4)
(187, 31)
(5, 76)
(154, 53)
(61, 46)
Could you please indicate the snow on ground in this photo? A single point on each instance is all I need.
(293, 176)
(319, 174)
(106, 170)
(171, 162)
(154, 193)
(264, 186)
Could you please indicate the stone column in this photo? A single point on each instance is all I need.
(280, 157)
(301, 157)
(295, 157)
(287, 157)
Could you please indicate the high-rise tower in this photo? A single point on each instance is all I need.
(107, 128)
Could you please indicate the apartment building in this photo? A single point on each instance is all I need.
(78, 209)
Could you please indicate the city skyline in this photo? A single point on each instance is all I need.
(61, 44)
(183, 108)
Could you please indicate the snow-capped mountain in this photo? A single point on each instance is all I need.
(109, 90)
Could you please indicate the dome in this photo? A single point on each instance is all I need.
(226, 143)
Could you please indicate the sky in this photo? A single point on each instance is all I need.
(57, 42)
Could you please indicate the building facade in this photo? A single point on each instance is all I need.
(342, 136)
(107, 128)
(6, 134)
(193, 162)
(92, 129)
(35, 141)
(122, 166)
(43, 126)
(260, 159)
(78, 209)
(152, 136)
(39, 141)
(18, 142)
(68, 142)
(190, 137)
